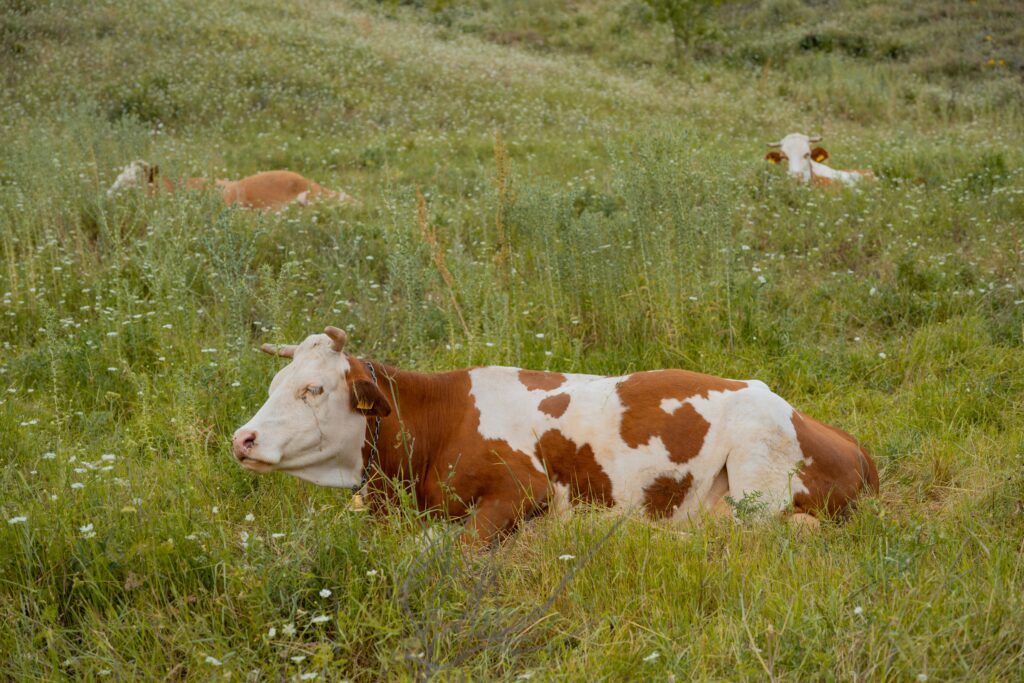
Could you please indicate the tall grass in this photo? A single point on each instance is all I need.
(621, 219)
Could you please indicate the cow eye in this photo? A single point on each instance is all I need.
(313, 390)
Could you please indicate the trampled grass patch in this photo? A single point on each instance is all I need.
(598, 208)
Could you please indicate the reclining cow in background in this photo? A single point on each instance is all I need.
(267, 190)
(496, 445)
(805, 163)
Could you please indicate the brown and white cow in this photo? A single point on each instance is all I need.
(499, 444)
(805, 163)
(266, 190)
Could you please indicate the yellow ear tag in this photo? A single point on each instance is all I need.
(356, 503)
(820, 157)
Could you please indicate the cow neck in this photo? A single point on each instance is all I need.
(402, 447)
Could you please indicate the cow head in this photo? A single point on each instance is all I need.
(313, 424)
(133, 175)
(796, 150)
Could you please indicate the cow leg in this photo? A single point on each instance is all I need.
(763, 477)
(500, 511)
(801, 522)
(493, 518)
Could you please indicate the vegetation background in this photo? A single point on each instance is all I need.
(599, 197)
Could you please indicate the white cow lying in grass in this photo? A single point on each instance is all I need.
(267, 190)
(805, 163)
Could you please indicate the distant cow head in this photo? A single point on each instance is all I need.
(796, 150)
(135, 174)
(313, 424)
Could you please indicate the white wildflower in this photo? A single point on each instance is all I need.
(250, 517)
(87, 531)
(320, 619)
(288, 630)
(325, 593)
(77, 485)
(17, 520)
(653, 656)
(566, 557)
(212, 661)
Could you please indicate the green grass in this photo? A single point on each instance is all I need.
(642, 230)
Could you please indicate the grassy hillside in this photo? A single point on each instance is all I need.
(603, 208)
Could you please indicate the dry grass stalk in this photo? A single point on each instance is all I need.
(501, 185)
(429, 234)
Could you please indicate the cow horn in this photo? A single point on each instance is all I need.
(286, 351)
(775, 144)
(815, 138)
(338, 337)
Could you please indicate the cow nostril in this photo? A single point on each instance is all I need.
(243, 442)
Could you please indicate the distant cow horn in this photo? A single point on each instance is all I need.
(338, 337)
(775, 144)
(286, 351)
(816, 138)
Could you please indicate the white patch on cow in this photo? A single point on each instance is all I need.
(303, 198)
(319, 437)
(750, 434)
(132, 175)
(671, 405)
(846, 177)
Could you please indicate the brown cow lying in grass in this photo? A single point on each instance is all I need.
(496, 445)
(267, 190)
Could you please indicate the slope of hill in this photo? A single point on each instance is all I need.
(602, 208)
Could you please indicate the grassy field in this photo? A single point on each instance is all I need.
(602, 208)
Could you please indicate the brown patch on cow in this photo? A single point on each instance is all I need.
(840, 470)
(555, 405)
(684, 430)
(574, 466)
(535, 380)
(431, 446)
(665, 494)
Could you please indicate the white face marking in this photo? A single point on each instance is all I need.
(308, 427)
(133, 175)
(797, 148)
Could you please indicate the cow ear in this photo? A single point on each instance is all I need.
(819, 154)
(775, 157)
(368, 399)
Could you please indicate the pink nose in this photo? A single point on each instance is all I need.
(243, 442)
